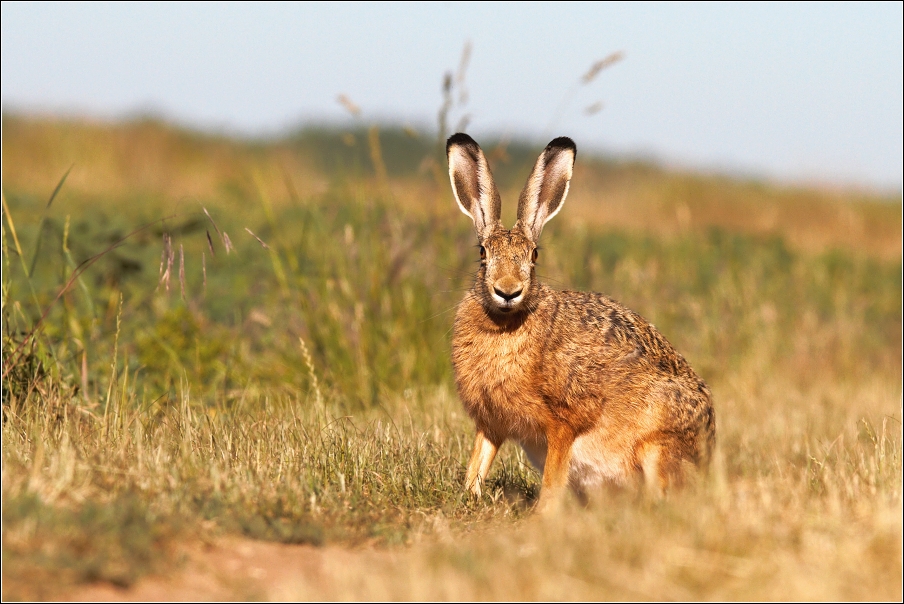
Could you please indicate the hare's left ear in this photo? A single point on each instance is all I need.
(546, 187)
(473, 184)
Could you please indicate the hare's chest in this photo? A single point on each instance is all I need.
(497, 381)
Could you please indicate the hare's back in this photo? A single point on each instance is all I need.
(606, 346)
(609, 331)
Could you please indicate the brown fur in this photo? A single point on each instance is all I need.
(591, 390)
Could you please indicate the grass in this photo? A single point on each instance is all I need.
(302, 392)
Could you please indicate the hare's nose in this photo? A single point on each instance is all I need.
(508, 289)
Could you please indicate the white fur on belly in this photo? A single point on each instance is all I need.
(591, 465)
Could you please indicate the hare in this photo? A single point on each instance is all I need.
(593, 393)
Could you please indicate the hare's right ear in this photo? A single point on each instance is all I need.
(473, 184)
(547, 186)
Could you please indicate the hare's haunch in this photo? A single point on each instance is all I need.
(593, 393)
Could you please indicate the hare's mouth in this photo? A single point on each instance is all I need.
(505, 305)
(506, 294)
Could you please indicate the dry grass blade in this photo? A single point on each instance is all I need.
(451, 100)
(170, 258)
(376, 157)
(169, 254)
(349, 105)
(68, 254)
(182, 271)
(210, 218)
(442, 116)
(602, 64)
(83, 374)
(588, 77)
(259, 240)
(12, 230)
(113, 366)
(462, 72)
(163, 273)
(223, 236)
(309, 363)
(56, 190)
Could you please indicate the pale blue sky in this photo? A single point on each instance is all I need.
(789, 92)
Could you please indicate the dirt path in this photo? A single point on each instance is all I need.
(238, 569)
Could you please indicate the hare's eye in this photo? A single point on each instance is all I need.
(533, 257)
(483, 253)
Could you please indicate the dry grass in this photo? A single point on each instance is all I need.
(802, 504)
(140, 421)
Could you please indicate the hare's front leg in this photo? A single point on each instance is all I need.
(559, 440)
(481, 459)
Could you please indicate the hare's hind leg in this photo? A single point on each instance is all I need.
(481, 459)
(653, 478)
(559, 442)
(663, 467)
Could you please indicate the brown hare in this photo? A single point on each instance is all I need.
(594, 394)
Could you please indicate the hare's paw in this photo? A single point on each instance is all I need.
(482, 457)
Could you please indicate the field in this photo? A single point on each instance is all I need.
(226, 374)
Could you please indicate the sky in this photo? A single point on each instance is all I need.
(807, 93)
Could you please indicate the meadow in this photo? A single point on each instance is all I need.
(213, 344)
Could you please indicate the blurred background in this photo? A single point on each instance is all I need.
(795, 92)
(310, 139)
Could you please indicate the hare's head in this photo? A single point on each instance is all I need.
(506, 283)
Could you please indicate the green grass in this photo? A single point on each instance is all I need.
(141, 415)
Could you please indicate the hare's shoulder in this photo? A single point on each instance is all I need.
(600, 322)
(594, 315)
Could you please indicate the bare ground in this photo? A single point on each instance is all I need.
(234, 569)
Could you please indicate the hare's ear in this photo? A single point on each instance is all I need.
(546, 187)
(473, 184)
